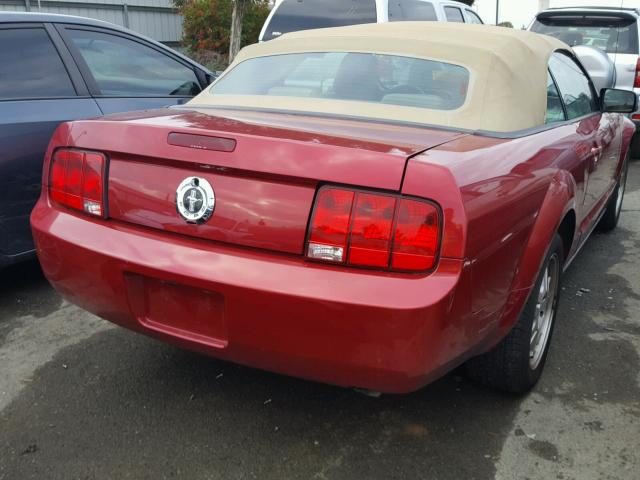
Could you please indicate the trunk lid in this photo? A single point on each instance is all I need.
(264, 167)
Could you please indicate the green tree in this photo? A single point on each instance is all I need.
(207, 24)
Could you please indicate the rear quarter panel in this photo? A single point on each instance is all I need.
(513, 195)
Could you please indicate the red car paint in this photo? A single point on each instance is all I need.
(238, 287)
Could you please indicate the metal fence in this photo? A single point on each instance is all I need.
(157, 19)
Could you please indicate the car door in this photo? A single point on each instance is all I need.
(40, 88)
(125, 73)
(598, 143)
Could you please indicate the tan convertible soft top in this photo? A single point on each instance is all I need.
(508, 72)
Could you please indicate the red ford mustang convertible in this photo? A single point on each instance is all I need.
(368, 206)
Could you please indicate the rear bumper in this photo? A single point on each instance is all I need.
(346, 327)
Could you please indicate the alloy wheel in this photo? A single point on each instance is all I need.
(544, 312)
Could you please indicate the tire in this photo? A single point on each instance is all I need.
(609, 220)
(516, 363)
(635, 146)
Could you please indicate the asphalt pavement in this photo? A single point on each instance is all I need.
(82, 399)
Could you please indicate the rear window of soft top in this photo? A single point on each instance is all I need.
(361, 77)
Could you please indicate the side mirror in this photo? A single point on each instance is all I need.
(618, 101)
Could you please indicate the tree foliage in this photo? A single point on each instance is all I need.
(207, 23)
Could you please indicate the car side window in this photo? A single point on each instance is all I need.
(417, 10)
(555, 112)
(454, 14)
(575, 88)
(31, 67)
(124, 67)
(472, 17)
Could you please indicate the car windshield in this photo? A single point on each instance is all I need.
(363, 77)
(295, 15)
(611, 34)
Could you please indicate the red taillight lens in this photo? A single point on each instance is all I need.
(416, 236)
(371, 230)
(73, 181)
(76, 180)
(636, 83)
(58, 178)
(374, 230)
(332, 216)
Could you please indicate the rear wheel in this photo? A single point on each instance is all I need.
(609, 220)
(516, 363)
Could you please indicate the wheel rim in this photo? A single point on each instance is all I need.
(545, 310)
(621, 188)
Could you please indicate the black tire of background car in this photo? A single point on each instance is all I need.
(609, 220)
(635, 146)
(506, 367)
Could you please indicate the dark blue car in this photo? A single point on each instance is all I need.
(55, 68)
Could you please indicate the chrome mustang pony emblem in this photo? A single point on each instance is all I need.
(195, 200)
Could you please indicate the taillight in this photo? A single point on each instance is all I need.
(373, 230)
(328, 238)
(370, 239)
(76, 180)
(636, 83)
(416, 236)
